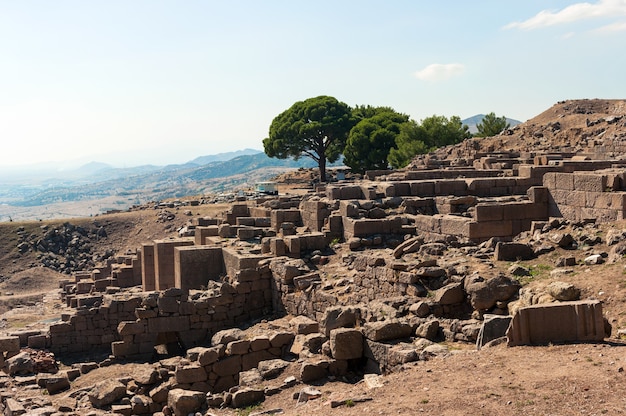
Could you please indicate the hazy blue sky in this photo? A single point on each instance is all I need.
(148, 81)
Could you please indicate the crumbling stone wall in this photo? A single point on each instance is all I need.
(580, 196)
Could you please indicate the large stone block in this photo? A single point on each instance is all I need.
(513, 252)
(488, 212)
(387, 330)
(589, 182)
(557, 322)
(493, 327)
(564, 181)
(346, 343)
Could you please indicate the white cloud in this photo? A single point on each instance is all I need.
(440, 72)
(612, 28)
(572, 13)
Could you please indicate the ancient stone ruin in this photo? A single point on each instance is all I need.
(414, 249)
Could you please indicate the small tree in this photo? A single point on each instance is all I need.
(492, 125)
(433, 132)
(370, 141)
(317, 128)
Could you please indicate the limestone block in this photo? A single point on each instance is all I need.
(106, 393)
(9, 344)
(422, 188)
(238, 347)
(304, 325)
(485, 230)
(557, 322)
(314, 370)
(564, 181)
(247, 396)
(513, 251)
(346, 343)
(488, 212)
(450, 294)
(549, 180)
(130, 328)
(184, 402)
(493, 327)
(228, 366)
(589, 182)
(387, 330)
(190, 374)
(259, 343)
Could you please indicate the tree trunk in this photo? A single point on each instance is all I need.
(322, 166)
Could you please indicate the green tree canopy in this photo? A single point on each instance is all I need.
(433, 132)
(370, 141)
(491, 125)
(317, 128)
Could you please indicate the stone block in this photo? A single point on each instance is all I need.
(589, 182)
(420, 188)
(190, 374)
(549, 180)
(228, 366)
(185, 402)
(557, 322)
(564, 181)
(168, 324)
(346, 343)
(486, 230)
(304, 325)
(488, 212)
(386, 330)
(493, 327)
(513, 251)
(10, 344)
(130, 328)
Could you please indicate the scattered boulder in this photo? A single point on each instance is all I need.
(485, 293)
(106, 392)
(594, 259)
(563, 291)
(493, 327)
(247, 397)
(21, 364)
(346, 343)
(270, 369)
(387, 330)
(183, 402)
(450, 294)
(513, 252)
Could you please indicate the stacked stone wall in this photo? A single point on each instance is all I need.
(581, 196)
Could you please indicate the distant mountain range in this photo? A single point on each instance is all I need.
(145, 183)
(474, 121)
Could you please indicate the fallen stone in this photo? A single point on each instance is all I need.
(106, 393)
(484, 294)
(346, 343)
(493, 327)
(563, 291)
(450, 294)
(387, 330)
(247, 397)
(513, 252)
(270, 369)
(594, 259)
(183, 402)
(304, 325)
(21, 363)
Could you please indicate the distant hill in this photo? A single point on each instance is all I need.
(474, 121)
(141, 184)
(222, 157)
